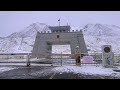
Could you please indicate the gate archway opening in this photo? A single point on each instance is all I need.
(58, 49)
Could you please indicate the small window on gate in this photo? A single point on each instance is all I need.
(58, 36)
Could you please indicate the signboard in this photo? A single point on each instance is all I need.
(88, 59)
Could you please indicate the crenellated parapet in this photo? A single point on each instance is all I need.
(72, 31)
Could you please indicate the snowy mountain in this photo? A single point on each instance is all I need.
(101, 30)
(22, 41)
(95, 35)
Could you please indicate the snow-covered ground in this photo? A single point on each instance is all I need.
(95, 70)
(3, 69)
(87, 70)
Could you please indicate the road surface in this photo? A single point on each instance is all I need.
(43, 72)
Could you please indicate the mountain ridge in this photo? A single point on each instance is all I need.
(95, 35)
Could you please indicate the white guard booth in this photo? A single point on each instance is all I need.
(107, 56)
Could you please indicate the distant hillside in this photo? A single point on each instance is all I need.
(22, 41)
(95, 35)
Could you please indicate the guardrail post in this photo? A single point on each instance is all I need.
(28, 60)
(80, 59)
(61, 58)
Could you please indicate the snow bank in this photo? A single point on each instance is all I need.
(3, 69)
(87, 70)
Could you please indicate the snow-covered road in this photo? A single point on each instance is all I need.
(44, 71)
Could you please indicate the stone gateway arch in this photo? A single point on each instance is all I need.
(59, 35)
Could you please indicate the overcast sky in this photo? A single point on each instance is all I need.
(12, 21)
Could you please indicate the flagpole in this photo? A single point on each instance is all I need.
(59, 21)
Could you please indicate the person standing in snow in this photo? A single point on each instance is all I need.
(77, 53)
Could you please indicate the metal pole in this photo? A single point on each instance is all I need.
(61, 58)
(59, 21)
(28, 60)
(80, 59)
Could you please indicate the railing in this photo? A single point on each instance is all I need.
(33, 58)
(52, 59)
